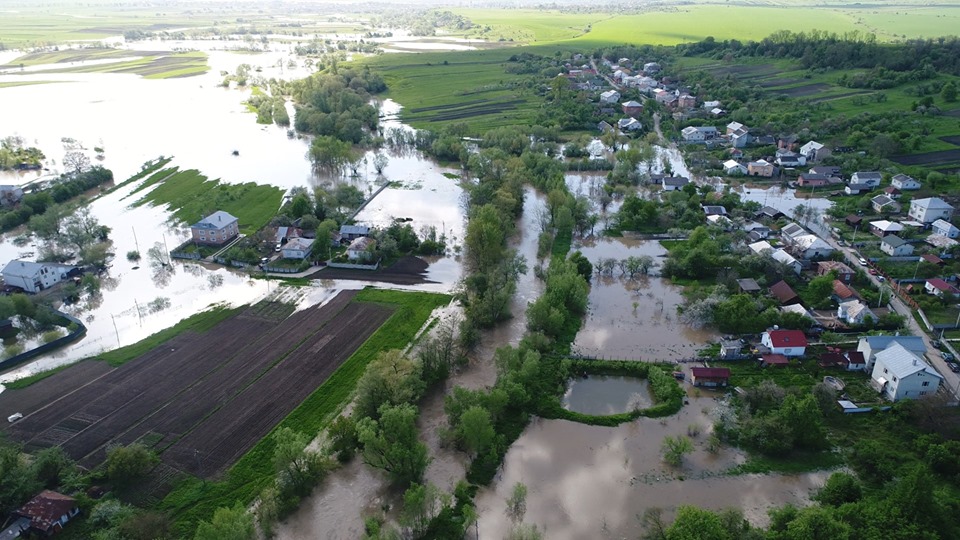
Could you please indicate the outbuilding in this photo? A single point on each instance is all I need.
(710, 377)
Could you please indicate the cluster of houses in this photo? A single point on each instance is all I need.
(931, 213)
(895, 363)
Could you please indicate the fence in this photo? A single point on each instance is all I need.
(46, 347)
(353, 266)
(281, 269)
(178, 253)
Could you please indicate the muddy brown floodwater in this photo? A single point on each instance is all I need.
(595, 482)
(634, 319)
(605, 394)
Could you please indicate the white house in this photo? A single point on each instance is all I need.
(629, 124)
(871, 345)
(868, 180)
(939, 287)
(791, 231)
(810, 150)
(883, 203)
(782, 256)
(360, 248)
(901, 374)
(895, 246)
(692, 134)
(854, 312)
(930, 209)
(761, 248)
(297, 248)
(610, 96)
(884, 227)
(786, 158)
(945, 228)
(785, 342)
(734, 167)
(810, 246)
(34, 277)
(904, 183)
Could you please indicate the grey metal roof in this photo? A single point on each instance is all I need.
(216, 220)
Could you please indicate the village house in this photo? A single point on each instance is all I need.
(695, 134)
(710, 377)
(884, 204)
(768, 212)
(871, 345)
(783, 293)
(940, 288)
(733, 167)
(786, 158)
(788, 260)
(632, 108)
(774, 360)
(761, 247)
(884, 227)
(673, 183)
(730, 348)
(904, 183)
(843, 272)
(812, 180)
(867, 179)
(361, 249)
(842, 292)
(825, 170)
(352, 232)
(610, 96)
(665, 98)
(604, 126)
(216, 229)
(713, 210)
(855, 361)
(721, 221)
(855, 312)
(761, 167)
(629, 124)
(686, 101)
(796, 309)
(930, 209)
(810, 246)
(791, 231)
(34, 277)
(895, 246)
(43, 516)
(707, 105)
(10, 195)
(756, 230)
(651, 67)
(945, 228)
(932, 259)
(901, 374)
(785, 342)
(297, 248)
(892, 192)
(814, 151)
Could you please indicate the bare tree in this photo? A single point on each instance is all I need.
(380, 161)
(76, 162)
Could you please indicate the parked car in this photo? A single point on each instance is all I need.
(863, 262)
(954, 367)
(872, 272)
(947, 356)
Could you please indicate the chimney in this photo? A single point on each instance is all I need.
(914, 361)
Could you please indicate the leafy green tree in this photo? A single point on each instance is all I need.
(584, 268)
(949, 92)
(840, 488)
(330, 153)
(392, 378)
(126, 464)
(298, 469)
(51, 465)
(674, 448)
(227, 524)
(421, 504)
(693, 523)
(485, 238)
(817, 524)
(391, 444)
(476, 430)
(343, 437)
(517, 503)
(17, 481)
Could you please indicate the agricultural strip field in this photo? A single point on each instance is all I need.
(200, 400)
(163, 65)
(191, 196)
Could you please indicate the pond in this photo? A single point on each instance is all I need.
(634, 318)
(595, 482)
(606, 394)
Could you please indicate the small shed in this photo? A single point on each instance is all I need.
(748, 285)
(773, 360)
(831, 360)
(710, 377)
(730, 348)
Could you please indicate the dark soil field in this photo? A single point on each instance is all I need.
(840, 96)
(406, 271)
(943, 157)
(802, 91)
(952, 139)
(199, 400)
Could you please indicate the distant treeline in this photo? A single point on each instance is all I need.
(824, 50)
(66, 189)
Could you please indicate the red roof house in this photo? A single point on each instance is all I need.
(48, 512)
(855, 361)
(939, 287)
(782, 292)
(768, 360)
(841, 292)
(785, 342)
(710, 377)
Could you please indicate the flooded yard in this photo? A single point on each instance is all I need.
(606, 394)
(595, 482)
(634, 318)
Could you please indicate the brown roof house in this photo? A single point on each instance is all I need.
(710, 377)
(844, 272)
(782, 292)
(44, 515)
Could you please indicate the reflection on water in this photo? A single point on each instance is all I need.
(635, 318)
(595, 482)
(606, 394)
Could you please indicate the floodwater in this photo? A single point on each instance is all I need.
(595, 482)
(634, 319)
(606, 394)
(135, 120)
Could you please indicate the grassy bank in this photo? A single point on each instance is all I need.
(194, 500)
(191, 196)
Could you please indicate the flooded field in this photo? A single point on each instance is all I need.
(595, 482)
(634, 319)
(605, 394)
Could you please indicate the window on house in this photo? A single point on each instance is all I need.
(894, 379)
(884, 370)
(923, 392)
(925, 383)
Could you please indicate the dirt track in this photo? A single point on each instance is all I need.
(200, 400)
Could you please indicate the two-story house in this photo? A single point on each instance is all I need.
(930, 209)
(216, 229)
(901, 374)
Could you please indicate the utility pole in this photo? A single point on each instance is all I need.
(135, 243)
(115, 328)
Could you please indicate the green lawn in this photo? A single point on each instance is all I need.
(193, 500)
(191, 196)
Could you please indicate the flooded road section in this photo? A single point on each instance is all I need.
(595, 482)
(634, 319)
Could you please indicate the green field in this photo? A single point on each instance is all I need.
(149, 64)
(191, 196)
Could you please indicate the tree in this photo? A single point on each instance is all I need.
(330, 153)
(76, 162)
(517, 503)
(50, 466)
(840, 488)
(949, 92)
(694, 523)
(674, 448)
(227, 524)
(391, 443)
(125, 464)
(380, 162)
(476, 430)
(298, 469)
(421, 504)
(584, 268)
(82, 229)
(485, 238)
(392, 378)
